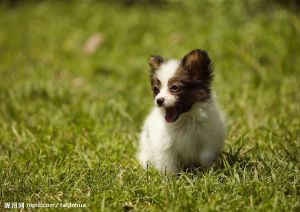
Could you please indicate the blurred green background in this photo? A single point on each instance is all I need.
(75, 89)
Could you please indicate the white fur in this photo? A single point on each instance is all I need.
(195, 138)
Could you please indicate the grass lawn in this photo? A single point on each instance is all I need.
(70, 117)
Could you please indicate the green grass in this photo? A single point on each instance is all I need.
(69, 121)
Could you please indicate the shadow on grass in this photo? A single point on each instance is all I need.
(231, 158)
(228, 161)
(225, 162)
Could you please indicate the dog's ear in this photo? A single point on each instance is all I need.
(197, 63)
(155, 61)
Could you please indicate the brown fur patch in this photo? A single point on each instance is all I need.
(155, 61)
(197, 63)
(194, 77)
(155, 83)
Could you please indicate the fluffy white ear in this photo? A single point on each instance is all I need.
(197, 63)
(155, 61)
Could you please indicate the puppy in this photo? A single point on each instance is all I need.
(185, 128)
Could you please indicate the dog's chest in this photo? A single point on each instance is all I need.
(187, 140)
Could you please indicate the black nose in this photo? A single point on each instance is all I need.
(160, 101)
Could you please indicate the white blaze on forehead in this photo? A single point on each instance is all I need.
(167, 71)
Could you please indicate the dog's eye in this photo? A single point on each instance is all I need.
(174, 88)
(155, 89)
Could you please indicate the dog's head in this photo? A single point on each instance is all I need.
(177, 85)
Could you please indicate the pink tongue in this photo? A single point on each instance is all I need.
(171, 114)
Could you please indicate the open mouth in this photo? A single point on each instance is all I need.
(172, 114)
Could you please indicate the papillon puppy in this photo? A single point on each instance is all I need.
(185, 128)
